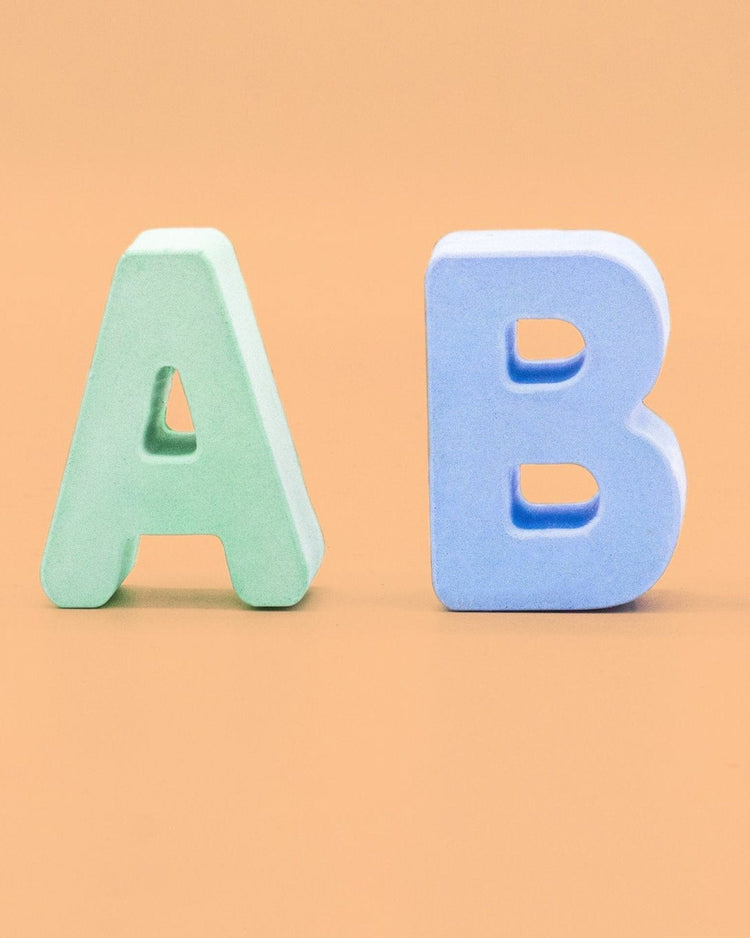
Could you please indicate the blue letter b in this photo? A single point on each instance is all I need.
(491, 412)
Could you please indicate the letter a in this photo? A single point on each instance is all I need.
(178, 302)
(491, 412)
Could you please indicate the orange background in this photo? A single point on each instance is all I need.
(369, 764)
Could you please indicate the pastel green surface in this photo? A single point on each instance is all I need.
(178, 301)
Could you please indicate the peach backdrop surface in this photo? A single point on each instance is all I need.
(369, 764)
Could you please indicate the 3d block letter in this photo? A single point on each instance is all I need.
(492, 412)
(178, 301)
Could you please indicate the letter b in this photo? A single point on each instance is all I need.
(491, 412)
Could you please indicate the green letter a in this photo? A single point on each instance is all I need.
(178, 301)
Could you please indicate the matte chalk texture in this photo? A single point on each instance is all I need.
(491, 412)
(178, 301)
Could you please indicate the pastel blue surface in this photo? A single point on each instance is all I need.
(490, 412)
